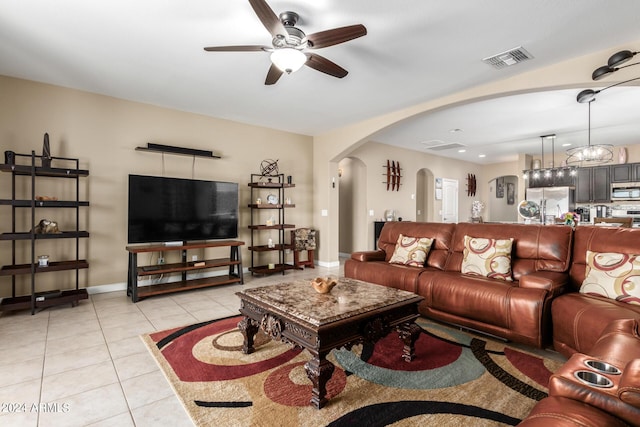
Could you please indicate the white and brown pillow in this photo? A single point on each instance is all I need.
(487, 257)
(411, 251)
(613, 275)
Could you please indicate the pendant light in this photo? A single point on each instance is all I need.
(549, 172)
(590, 154)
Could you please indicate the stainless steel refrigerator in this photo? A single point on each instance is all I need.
(554, 201)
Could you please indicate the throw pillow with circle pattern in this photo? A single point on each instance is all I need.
(487, 257)
(613, 275)
(411, 251)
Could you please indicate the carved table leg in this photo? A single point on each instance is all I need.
(249, 328)
(319, 371)
(409, 333)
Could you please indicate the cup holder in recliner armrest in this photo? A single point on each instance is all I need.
(593, 379)
(602, 367)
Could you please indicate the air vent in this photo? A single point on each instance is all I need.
(508, 58)
(445, 146)
(432, 143)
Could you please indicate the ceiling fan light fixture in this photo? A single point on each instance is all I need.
(288, 59)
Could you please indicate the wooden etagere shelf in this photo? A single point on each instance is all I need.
(37, 300)
(273, 200)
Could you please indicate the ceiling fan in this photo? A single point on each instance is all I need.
(289, 44)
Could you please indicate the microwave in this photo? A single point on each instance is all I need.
(625, 191)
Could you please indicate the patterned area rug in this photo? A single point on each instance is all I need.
(456, 379)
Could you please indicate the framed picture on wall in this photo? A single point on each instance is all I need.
(500, 187)
(511, 193)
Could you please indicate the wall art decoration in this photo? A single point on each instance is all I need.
(511, 193)
(500, 187)
(471, 184)
(393, 172)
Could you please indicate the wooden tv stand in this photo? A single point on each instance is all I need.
(234, 262)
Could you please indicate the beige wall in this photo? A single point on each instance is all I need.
(352, 180)
(332, 146)
(103, 133)
(375, 155)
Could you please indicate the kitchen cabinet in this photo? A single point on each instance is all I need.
(593, 184)
(628, 172)
(622, 173)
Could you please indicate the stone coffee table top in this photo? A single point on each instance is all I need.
(347, 299)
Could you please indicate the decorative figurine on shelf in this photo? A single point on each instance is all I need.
(46, 226)
(476, 209)
(571, 219)
(46, 152)
(269, 168)
(390, 215)
(9, 157)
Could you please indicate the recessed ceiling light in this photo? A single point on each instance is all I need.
(455, 130)
(462, 150)
(566, 144)
(482, 155)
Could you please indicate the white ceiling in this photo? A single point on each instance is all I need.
(152, 51)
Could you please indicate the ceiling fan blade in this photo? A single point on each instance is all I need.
(249, 48)
(269, 18)
(273, 75)
(336, 36)
(322, 64)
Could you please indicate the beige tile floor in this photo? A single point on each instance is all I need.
(87, 366)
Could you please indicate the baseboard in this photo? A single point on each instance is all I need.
(115, 287)
(331, 264)
(103, 289)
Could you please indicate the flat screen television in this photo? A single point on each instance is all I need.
(179, 210)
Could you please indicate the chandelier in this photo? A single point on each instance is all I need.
(549, 172)
(590, 154)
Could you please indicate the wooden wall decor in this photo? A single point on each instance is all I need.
(393, 174)
(471, 185)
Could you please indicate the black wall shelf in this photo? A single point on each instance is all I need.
(170, 149)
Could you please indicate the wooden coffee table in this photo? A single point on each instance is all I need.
(353, 312)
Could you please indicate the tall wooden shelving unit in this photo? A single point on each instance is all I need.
(37, 300)
(258, 185)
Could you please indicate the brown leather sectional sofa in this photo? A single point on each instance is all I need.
(540, 306)
(578, 319)
(571, 403)
(519, 310)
